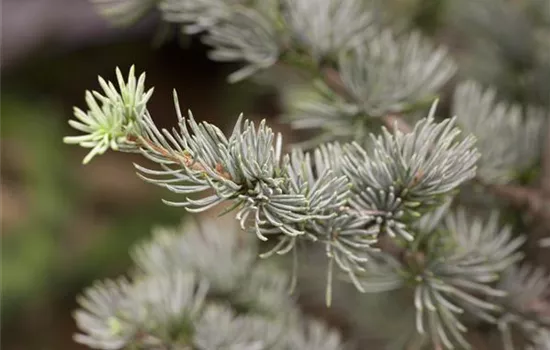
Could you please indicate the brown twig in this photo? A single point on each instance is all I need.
(521, 197)
(394, 122)
(178, 158)
(332, 78)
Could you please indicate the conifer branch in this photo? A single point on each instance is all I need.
(181, 158)
(519, 196)
(379, 206)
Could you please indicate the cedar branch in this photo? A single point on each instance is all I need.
(178, 158)
(519, 196)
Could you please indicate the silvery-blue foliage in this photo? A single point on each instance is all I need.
(542, 341)
(220, 328)
(225, 260)
(246, 168)
(100, 317)
(314, 337)
(273, 194)
(527, 289)
(392, 75)
(250, 36)
(238, 30)
(382, 273)
(458, 273)
(508, 140)
(328, 26)
(115, 314)
(319, 108)
(222, 259)
(123, 12)
(345, 232)
(385, 76)
(266, 289)
(177, 299)
(405, 172)
(430, 221)
(197, 15)
(452, 273)
(496, 244)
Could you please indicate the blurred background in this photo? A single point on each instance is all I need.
(64, 225)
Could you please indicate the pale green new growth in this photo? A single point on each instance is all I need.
(111, 117)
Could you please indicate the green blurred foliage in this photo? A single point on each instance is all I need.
(48, 254)
(29, 249)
